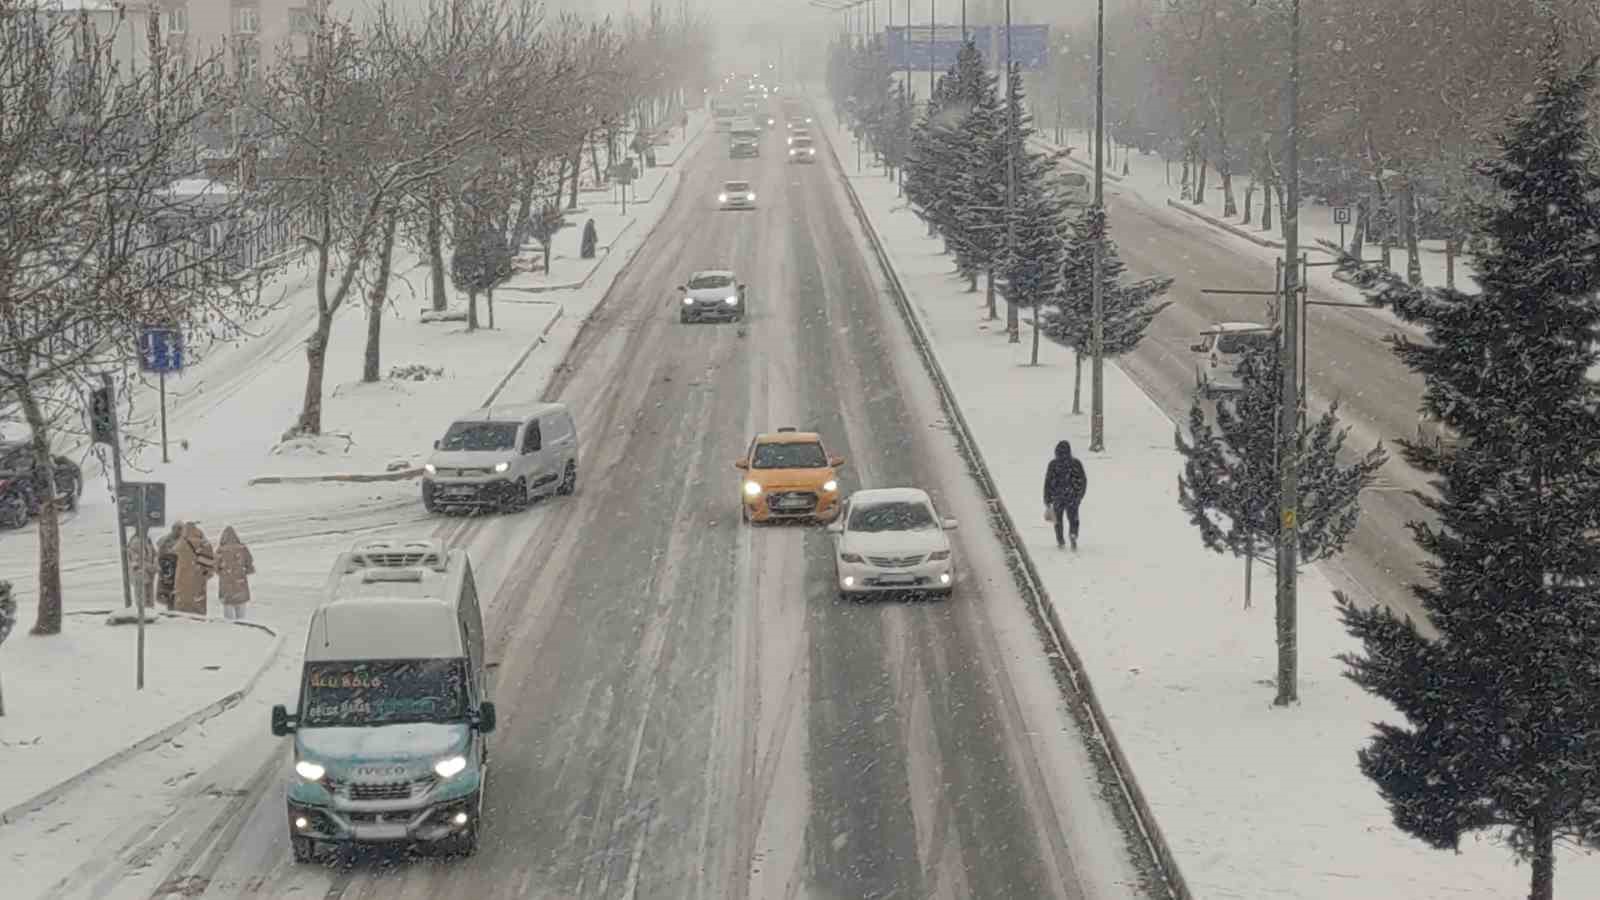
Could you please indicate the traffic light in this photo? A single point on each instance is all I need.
(102, 417)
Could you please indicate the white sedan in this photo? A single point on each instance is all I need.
(891, 539)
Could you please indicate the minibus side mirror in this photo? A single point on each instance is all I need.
(435, 445)
(1197, 348)
(282, 722)
(486, 717)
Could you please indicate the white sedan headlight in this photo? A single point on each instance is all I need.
(722, 198)
(751, 489)
(752, 196)
(688, 301)
(450, 766)
(309, 770)
(430, 468)
(830, 485)
(502, 466)
(732, 301)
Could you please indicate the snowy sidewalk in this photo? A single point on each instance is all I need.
(1254, 801)
(72, 707)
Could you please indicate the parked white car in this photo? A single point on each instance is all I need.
(1224, 345)
(892, 539)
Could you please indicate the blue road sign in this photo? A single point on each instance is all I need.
(1030, 46)
(161, 350)
(910, 47)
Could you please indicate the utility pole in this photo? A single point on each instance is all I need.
(1097, 389)
(1288, 398)
(1012, 327)
(933, 17)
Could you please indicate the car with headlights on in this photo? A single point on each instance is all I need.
(736, 195)
(712, 294)
(788, 474)
(802, 150)
(889, 540)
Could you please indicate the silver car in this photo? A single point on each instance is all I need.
(737, 195)
(712, 294)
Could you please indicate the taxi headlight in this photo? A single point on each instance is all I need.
(830, 485)
(450, 766)
(751, 489)
(752, 196)
(722, 198)
(309, 770)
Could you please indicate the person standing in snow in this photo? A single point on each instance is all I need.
(234, 568)
(1065, 483)
(196, 564)
(167, 565)
(142, 566)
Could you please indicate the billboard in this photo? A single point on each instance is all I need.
(1030, 46)
(909, 47)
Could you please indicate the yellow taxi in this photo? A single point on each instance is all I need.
(788, 475)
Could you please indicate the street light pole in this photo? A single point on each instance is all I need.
(933, 17)
(1012, 326)
(1097, 389)
(1289, 395)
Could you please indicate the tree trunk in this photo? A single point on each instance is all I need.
(316, 361)
(1077, 382)
(1358, 240)
(488, 297)
(561, 179)
(47, 620)
(1452, 246)
(1200, 179)
(1184, 176)
(546, 248)
(1249, 195)
(378, 298)
(1266, 204)
(1249, 569)
(436, 256)
(1543, 859)
(472, 310)
(988, 293)
(594, 161)
(1408, 227)
(1034, 359)
(577, 170)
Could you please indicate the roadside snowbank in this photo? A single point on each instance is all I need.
(1255, 801)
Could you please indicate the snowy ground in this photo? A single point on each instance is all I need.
(1255, 801)
(65, 694)
(226, 418)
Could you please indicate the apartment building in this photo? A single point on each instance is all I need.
(246, 36)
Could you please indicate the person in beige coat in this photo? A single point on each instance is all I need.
(196, 564)
(234, 568)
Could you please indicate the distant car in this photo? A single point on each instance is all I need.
(788, 474)
(1224, 344)
(712, 294)
(744, 144)
(502, 457)
(22, 487)
(799, 122)
(802, 150)
(891, 539)
(798, 134)
(737, 195)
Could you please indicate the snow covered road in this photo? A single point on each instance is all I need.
(686, 708)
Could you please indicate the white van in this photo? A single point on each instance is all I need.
(503, 456)
(1224, 344)
(389, 736)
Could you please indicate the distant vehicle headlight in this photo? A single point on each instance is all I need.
(722, 198)
(812, 151)
(732, 301)
(830, 485)
(450, 767)
(688, 301)
(752, 196)
(309, 770)
(751, 489)
(430, 468)
(502, 466)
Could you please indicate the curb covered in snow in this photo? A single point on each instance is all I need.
(210, 710)
(1230, 228)
(1080, 163)
(1025, 573)
(578, 285)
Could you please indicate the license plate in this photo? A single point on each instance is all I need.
(459, 492)
(383, 832)
(897, 579)
(794, 503)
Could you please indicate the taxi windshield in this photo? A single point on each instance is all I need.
(789, 456)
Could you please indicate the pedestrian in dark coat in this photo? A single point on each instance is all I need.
(167, 565)
(1065, 483)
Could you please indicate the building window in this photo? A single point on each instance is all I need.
(247, 56)
(300, 21)
(246, 20)
(178, 20)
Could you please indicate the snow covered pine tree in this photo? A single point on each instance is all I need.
(1502, 709)
(1031, 268)
(1231, 470)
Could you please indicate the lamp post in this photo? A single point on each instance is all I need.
(1289, 397)
(1013, 328)
(1097, 392)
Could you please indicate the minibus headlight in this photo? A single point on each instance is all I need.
(450, 767)
(309, 770)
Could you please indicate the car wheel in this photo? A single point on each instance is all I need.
(305, 849)
(569, 480)
(520, 498)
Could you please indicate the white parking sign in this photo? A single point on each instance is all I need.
(1341, 215)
